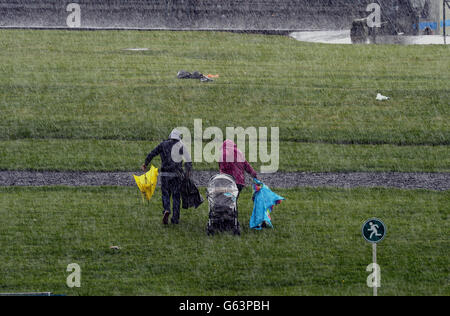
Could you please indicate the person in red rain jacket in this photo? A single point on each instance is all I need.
(233, 162)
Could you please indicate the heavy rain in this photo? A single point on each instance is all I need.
(224, 148)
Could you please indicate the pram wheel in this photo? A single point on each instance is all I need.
(209, 230)
(237, 230)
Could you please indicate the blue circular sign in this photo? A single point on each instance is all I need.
(374, 230)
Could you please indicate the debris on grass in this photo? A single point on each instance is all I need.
(183, 74)
(381, 97)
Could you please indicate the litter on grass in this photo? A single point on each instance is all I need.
(183, 74)
(136, 49)
(381, 97)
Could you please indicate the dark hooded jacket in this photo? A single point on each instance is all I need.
(189, 193)
(164, 149)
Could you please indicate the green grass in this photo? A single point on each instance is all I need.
(84, 86)
(74, 100)
(122, 155)
(316, 247)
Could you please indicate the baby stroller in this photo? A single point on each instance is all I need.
(222, 193)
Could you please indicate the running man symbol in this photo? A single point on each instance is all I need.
(374, 230)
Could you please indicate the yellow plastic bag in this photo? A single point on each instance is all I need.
(147, 183)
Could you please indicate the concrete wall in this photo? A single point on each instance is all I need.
(183, 14)
(434, 21)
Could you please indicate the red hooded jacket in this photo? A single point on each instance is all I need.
(233, 162)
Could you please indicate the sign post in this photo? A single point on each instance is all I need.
(376, 270)
(374, 231)
(444, 9)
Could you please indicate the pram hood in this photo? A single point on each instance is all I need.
(221, 185)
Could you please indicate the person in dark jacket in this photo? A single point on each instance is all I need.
(171, 172)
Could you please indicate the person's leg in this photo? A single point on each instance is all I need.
(176, 199)
(236, 229)
(165, 190)
(240, 187)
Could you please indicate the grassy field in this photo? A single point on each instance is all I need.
(123, 155)
(74, 100)
(316, 247)
(57, 86)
